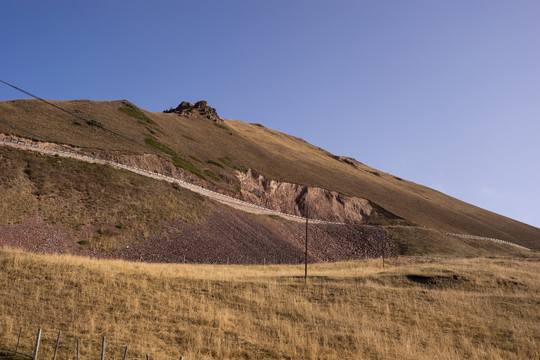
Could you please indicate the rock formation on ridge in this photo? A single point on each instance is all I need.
(200, 108)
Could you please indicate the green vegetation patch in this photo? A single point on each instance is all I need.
(195, 158)
(212, 162)
(155, 144)
(221, 126)
(227, 161)
(137, 114)
(211, 174)
(176, 159)
(95, 123)
(188, 137)
(186, 165)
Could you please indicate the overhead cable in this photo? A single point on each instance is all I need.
(86, 120)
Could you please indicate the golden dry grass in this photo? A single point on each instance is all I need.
(475, 308)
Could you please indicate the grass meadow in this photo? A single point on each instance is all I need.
(413, 308)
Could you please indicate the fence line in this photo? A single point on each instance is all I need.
(34, 355)
(225, 199)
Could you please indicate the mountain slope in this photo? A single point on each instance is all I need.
(57, 204)
(224, 155)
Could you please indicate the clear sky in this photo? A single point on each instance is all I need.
(442, 93)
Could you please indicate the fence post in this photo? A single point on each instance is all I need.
(57, 342)
(18, 340)
(38, 337)
(125, 353)
(78, 349)
(103, 349)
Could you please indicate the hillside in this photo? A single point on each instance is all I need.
(247, 161)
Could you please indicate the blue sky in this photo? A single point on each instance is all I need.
(442, 93)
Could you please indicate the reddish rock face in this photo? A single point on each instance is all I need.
(323, 204)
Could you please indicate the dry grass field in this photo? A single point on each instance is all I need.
(421, 308)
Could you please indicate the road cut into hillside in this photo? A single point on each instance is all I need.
(65, 151)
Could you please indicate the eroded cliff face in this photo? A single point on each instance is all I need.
(322, 204)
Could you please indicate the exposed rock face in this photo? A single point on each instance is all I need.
(200, 108)
(322, 204)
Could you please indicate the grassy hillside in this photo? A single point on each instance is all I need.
(100, 207)
(54, 204)
(294, 160)
(213, 154)
(411, 309)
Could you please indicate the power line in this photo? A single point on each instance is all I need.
(89, 122)
(35, 136)
(86, 120)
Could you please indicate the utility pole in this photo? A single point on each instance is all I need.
(305, 255)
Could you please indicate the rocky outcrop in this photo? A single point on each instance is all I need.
(200, 108)
(322, 204)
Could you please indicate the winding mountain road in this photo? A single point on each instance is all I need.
(26, 144)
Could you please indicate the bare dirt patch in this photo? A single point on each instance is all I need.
(435, 279)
